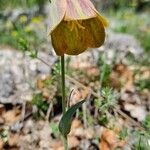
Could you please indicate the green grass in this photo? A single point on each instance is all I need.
(9, 4)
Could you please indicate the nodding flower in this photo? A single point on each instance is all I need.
(75, 26)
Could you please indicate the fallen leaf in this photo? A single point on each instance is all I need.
(13, 140)
(76, 124)
(73, 142)
(89, 133)
(12, 116)
(2, 109)
(110, 137)
(104, 145)
(1, 144)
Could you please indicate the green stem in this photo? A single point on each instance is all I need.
(63, 94)
(63, 84)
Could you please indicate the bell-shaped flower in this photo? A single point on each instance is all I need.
(75, 25)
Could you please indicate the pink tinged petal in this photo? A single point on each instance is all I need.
(57, 13)
(79, 10)
(87, 7)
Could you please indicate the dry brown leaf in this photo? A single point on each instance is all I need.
(2, 109)
(89, 133)
(40, 84)
(76, 124)
(56, 144)
(108, 140)
(104, 145)
(92, 71)
(110, 137)
(12, 116)
(73, 142)
(13, 140)
(46, 93)
(1, 144)
(79, 94)
(122, 75)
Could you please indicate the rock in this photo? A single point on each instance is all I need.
(28, 126)
(85, 144)
(2, 109)
(123, 42)
(44, 144)
(138, 112)
(18, 75)
(7, 85)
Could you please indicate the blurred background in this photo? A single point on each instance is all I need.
(114, 79)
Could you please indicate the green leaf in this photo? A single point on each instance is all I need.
(65, 122)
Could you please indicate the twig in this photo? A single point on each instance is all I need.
(49, 110)
(43, 61)
(84, 108)
(70, 97)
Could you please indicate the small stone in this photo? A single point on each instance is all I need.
(44, 144)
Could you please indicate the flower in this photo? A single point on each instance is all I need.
(75, 25)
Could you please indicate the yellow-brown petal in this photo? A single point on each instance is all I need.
(67, 39)
(74, 37)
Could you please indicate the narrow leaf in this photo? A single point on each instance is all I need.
(65, 122)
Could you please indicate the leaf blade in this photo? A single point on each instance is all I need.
(65, 122)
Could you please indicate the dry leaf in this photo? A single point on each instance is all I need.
(2, 109)
(13, 140)
(122, 75)
(73, 142)
(12, 116)
(89, 133)
(110, 141)
(76, 124)
(104, 145)
(1, 144)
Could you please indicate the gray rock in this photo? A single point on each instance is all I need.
(7, 85)
(19, 72)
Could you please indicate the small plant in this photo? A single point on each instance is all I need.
(146, 124)
(142, 143)
(105, 72)
(143, 84)
(42, 106)
(109, 97)
(55, 129)
(108, 101)
(123, 134)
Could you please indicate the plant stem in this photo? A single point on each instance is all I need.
(63, 84)
(63, 95)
